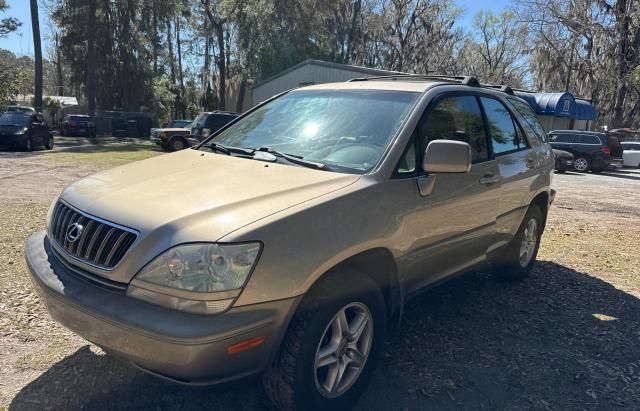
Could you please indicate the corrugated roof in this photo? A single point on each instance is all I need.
(355, 69)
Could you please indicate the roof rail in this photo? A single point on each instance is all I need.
(466, 80)
(500, 87)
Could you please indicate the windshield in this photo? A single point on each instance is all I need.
(180, 123)
(346, 128)
(14, 119)
(200, 120)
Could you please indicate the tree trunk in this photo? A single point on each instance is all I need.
(222, 69)
(91, 59)
(218, 26)
(60, 77)
(180, 73)
(172, 66)
(155, 38)
(37, 50)
(241, 92)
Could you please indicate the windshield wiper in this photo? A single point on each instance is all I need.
(229, 150)
(294, 159)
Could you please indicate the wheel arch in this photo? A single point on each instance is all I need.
(542, 201)
(378, 264)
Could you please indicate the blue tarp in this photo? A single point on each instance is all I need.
(559, 105)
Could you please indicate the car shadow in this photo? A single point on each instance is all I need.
(560, 339)
(621, 174)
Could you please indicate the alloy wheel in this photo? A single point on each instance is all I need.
(343, 350)
(529, 242)
(581, 164)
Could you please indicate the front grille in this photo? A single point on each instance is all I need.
(99, 243)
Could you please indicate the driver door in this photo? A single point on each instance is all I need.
(454, 223)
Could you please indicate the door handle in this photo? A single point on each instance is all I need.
(490, 179)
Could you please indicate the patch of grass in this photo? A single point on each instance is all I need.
(102, 156)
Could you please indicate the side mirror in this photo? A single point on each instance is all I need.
(447, 156)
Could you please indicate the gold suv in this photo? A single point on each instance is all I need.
(288, 241)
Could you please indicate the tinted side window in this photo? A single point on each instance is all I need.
(589, 140)
(501, 126)
(457, 118)
(530, 117)
(561, 138)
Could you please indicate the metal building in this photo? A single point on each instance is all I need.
(310, 72)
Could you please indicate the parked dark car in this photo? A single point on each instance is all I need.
(177, 124)
(24, 131)
(592, 151)
(209, 122)
(78, 125)
(21, 109)
(564, 160)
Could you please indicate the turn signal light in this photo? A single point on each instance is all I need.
(245, 345)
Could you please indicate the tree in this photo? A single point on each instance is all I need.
(7, 24)
(37, 49)
(495, 49)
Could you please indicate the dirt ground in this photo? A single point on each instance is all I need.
(568, 337)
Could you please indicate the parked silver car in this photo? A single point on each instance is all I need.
(288, 242)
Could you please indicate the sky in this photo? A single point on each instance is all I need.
(21, 42)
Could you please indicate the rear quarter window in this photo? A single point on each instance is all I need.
(529, 117)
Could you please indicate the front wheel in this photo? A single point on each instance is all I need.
(49, 145)
(330, 349)
(582, 164)
(520, 255)
(28, 145)
(177, 144)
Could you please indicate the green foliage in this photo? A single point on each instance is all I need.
(12, 82)
(7, 24)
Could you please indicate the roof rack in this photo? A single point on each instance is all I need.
(466, 80)
(500, 87)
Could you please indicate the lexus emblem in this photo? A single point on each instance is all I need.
(74, 231)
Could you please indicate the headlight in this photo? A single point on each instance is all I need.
(197, 278)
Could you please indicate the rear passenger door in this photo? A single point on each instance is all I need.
(518, 165)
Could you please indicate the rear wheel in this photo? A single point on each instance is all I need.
(177, 144)
(582, 164)
(330, 349)
(520, 255)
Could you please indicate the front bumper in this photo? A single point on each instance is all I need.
(157, 140)
(183, 347)
(564, 164)
(13, 141)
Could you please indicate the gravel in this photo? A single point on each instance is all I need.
(565, 338)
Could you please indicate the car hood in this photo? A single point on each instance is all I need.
(192, 195)
(173, 130)
(562, 153)
(10, 130)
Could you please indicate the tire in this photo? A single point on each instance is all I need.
(292, 381)
(49, 145)
(177, 144)
(512, 264)
(582, 164)
(28, 145)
